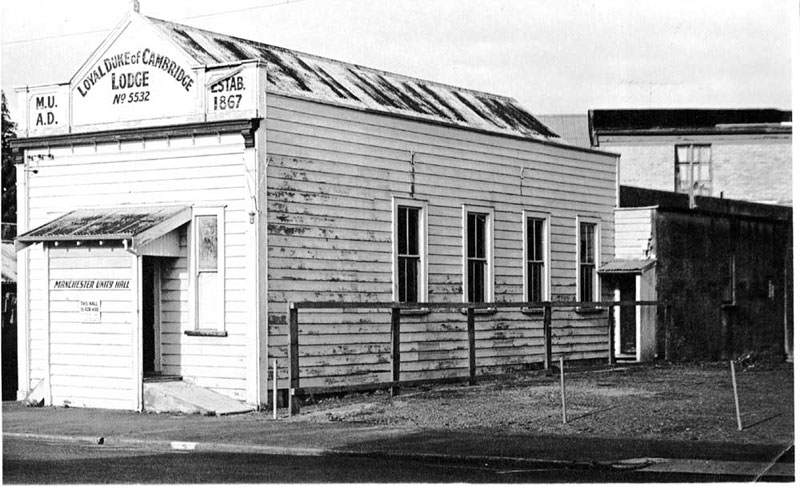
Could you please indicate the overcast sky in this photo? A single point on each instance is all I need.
(552, 56)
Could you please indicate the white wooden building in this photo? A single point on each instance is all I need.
(185, 185)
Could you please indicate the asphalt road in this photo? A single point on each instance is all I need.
(27, 461)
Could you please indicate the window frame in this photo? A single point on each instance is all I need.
(489, 275)
(194, 271)
(545, 218)
(589, 220)
(692, 162)
(422, 275)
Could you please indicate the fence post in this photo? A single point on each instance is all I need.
(611, 347)
(563, 391)
(548, 337)
(395, 389)
(736, 397)
(294, 361)
(667, 325)
(471, 339)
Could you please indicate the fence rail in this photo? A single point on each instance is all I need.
(366, 349)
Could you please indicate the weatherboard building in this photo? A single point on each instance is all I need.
(184, 186)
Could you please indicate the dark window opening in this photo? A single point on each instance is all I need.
(587, 262)
(477, 262)
(408, 254)
(535, 259)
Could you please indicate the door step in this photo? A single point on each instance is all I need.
(182, 397)
(162, 378)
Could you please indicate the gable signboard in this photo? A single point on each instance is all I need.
(139, 76)
(47, 109)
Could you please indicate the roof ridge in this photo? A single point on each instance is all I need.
(318, 57)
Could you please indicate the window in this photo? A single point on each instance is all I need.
(693, 169)
(728, 279)
(478, 260)
(409, 251)
(536, 267)
(208, 269)
(587, 261)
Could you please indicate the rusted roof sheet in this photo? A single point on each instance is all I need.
(304, 75)
(9, 262)
(626, 266)
(106, 224)
(572, 129)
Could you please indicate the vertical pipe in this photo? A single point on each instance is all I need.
(548, 337)
(275, 389)
(395, 389)
(736, 396)
(563, 391)
(294, 361)
(48, 379)
(471, 339)
(611, 357)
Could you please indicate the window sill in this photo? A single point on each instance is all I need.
(589, 310)
(415, 312)
(533, 311)
(481, 311)
(205, 333)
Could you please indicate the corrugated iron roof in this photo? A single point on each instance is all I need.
(9, 262)
(688, 122)
(573, 129)
(304, 75)
(624, 266)
(104, 224)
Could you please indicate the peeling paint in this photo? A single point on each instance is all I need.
(286, 230)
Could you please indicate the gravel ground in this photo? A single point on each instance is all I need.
(662, 401)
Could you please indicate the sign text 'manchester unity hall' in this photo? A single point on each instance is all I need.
(91, 284)
(143, 57)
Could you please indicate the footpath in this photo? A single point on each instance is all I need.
(258, 433)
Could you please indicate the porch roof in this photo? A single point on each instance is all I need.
(139, 224)
(626, 266)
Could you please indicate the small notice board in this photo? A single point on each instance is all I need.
(89, 310)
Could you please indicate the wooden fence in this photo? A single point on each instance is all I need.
(356, 346)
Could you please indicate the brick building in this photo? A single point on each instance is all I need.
(741, 154)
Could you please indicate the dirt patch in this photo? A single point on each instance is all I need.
(664, 401)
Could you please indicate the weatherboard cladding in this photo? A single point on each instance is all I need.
(331, 178)
(303, 75)
(138, 177)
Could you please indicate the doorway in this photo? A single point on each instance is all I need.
(627, 315)
(151, 316)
